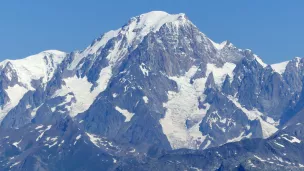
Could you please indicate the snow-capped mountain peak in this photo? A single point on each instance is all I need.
(152, 21)
(140, 26)
(34, 67)
(130, 35)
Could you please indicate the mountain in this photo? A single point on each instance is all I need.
(155, 94)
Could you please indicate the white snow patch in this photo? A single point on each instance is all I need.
(125, 112)
(251, 164)
(53, 109)
(15, 164)
(94, 139)
(81, 89)
(267, 128)
(207, 145)
(259, 158)
(240, 137)
(178, 112)
(42, 133)
(77, 138)
(284, 127)
(39, 127)
(280, 67)
(52, 145)
(293, 140)
(279, 144)
(34, 111)
(114, 160)
(219, 46)
(195, 168)
(15, 94)
(298, 61)
(100, 141)
(174, 122)
(155, 19)
(272, 121)
(104, 40)
(54, 139)
(252, 115)
(220, 74)
(16, 144)
(145, 98)
(260, 61)
(62, 142)
(77, 58)
(143, 69)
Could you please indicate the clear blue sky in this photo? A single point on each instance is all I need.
(272, 29)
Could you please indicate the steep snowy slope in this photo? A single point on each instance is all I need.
(129, 36)
(279, 67)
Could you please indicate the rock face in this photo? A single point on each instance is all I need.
(156, 84)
